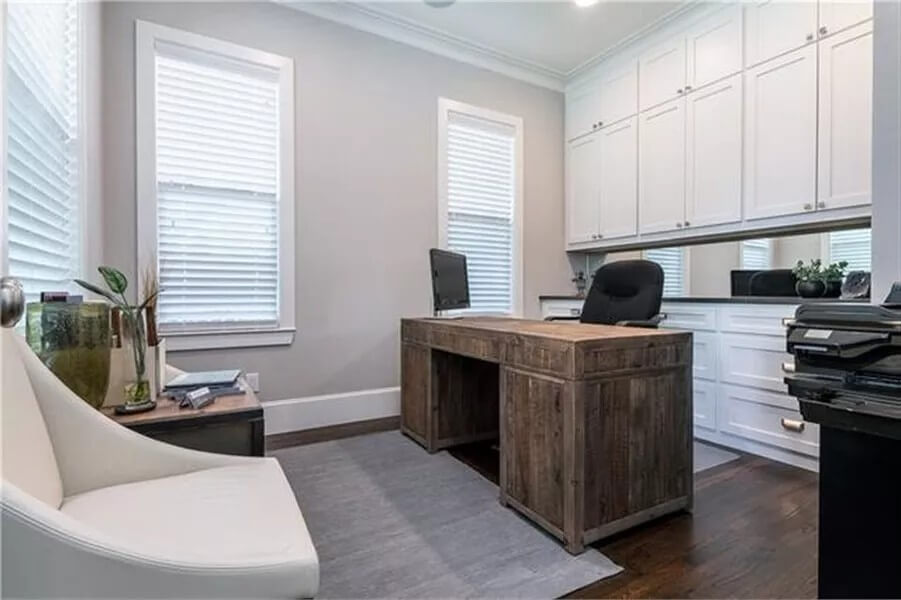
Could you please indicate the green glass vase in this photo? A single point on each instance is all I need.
(73, 340)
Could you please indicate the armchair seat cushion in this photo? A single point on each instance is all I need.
(242, 516)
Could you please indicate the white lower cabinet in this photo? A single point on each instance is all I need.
(740, 398)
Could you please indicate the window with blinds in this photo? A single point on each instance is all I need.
(756, 254)
(42, 145)
(854, 246)
(217, 186)
(672, 261)
(480, 203)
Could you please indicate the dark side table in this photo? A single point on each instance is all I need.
(230, 425)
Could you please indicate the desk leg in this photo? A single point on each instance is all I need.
(257, 437)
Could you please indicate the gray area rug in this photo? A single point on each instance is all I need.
(392, 521)
(707, 457)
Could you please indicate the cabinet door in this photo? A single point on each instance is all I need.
(714, 48)
(713, 127)
(661, 168)
(781, 135)
(619, 99)
(582, 172)
(583, 109)
(774, 27)
(619, 179)
(836, 15)
(846, 117)
(661, 74)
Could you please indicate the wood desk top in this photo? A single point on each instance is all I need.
(568, 331)
(168, 410)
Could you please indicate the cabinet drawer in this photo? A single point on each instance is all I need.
(756, 318)
(561, 308)
(705, 350)
(768, 418)
(753, 360)
(689, 316)
(705, 404)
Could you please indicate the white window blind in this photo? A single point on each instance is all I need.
(481, 207)
(756, 254)
(854, 246)
(672, 261)
(217, 141)
(42, 145)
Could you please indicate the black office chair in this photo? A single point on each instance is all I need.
(626, 293)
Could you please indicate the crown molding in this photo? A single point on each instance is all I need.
(682, 7)
(365, 18)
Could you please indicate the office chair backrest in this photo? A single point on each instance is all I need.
(773, 282)
(628, 290)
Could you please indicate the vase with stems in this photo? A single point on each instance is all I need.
(137, 389)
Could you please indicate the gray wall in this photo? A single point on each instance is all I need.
(366, 183)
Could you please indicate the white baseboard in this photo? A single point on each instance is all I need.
(297, 414)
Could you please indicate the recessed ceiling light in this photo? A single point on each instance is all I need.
(585, 3)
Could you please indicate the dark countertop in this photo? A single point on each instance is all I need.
(726, 299)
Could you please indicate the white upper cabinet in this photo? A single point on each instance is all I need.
(619, 179)
(774, 27)
(713, 48)
(836, 15)
(619, 93)
(583, 170)
(846, 118)
(713, 153)
(661, 168)
(780, 135)
(662, 73)
(583, 107)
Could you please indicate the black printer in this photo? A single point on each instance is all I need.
(847, 378)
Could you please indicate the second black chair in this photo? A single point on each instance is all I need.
(625, 292)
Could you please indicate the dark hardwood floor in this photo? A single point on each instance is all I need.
(752, 535)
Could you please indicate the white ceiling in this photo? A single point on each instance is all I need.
(557, 36)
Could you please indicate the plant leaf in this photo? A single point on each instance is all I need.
(99, 291)
(147, 301)
(114, 279)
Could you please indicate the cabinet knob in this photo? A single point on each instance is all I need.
(600, 123)
(687, 88)
(821, 204)
(792, 425)
(808, 206)
(679, 225)
(809, 37)
(823, 30)
(687, 223)
(600, 236)
(594, 125)
(679, 91)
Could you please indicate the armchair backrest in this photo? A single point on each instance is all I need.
(627, 290)
(29, 461)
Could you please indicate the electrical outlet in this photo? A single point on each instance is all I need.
(253, 380)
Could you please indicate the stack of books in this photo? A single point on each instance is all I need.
(201, 388)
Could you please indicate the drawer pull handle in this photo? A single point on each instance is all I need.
(792, 425)
(788, 367)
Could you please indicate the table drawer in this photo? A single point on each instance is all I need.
(705, 404)
(688, 316)
(762, 319)
(753, 360)
(767, 418)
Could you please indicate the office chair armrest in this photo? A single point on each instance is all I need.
(651, 323)
(563, 318)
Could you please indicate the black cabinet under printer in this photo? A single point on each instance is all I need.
(847, 378)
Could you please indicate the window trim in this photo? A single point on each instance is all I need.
(445, 107)
(203, 338)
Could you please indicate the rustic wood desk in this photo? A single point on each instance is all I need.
(594, 422)
(230, 425)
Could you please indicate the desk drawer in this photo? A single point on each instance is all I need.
(688, 316)
(753, 360)
(768, 418)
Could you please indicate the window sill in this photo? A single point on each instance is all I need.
(214, 340)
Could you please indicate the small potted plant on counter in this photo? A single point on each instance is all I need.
(832, 278)
(810, 279)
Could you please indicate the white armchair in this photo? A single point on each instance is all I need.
(92, 509)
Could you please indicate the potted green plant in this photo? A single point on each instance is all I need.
(832, 278)
(810, 279)
(137, 390)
